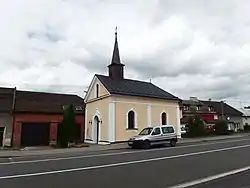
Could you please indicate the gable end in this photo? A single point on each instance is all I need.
(92, 88)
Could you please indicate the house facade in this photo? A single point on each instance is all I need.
(245, 116)
(37, 117)
(6, 105)
(118, 108)
(33, 118)
(193, 105)
(228, 113)
(211, 111)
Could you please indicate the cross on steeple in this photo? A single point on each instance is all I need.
(116, 30)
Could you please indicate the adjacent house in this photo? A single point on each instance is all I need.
(193, 105)
(245, 116)
(227, 112)
(30, 118)
(6, 107)
(211, 111)
(38, 115)
(118, 108)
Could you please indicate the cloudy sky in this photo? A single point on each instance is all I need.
(188, 47)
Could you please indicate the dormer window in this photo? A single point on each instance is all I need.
(210, 108)
(78, 108)
(97, 90)
(186, 107)
(198, 107)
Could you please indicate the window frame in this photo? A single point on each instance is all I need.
(168, 130)
(135, 120)
(163, 119)
(97, 90)
(154, 130)
(186, 107)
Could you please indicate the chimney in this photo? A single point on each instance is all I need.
(194, 99)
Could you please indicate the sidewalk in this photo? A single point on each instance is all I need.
(48, 151)
(214, 138)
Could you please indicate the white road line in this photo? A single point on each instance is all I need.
(116, 153)
(119, 164)
(211, 178)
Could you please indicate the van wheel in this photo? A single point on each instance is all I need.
(146, 144)
(173, 143)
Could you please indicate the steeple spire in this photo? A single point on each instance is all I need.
(116, 55)
(116, 67)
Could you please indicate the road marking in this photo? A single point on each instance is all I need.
(119, 164)
(211, 178)
(116, 153)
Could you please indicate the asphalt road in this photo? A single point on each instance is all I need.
(240, 180)
(154, 168)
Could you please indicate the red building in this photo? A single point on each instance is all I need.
(207, 112)
(38, 115)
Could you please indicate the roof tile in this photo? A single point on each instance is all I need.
(41, 102)
(134, 88)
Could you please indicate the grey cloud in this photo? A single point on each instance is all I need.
(50, 36)
(49, 33)
(220, 70)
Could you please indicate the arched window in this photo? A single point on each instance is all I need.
(131, 119)
(164, 118)
(97, 90)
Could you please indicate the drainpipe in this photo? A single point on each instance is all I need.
(12, 111)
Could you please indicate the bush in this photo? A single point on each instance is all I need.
(196, 126)
(221, 127)
(67, 128)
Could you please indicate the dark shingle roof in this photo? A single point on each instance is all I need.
(192, 105)
(134, 88)
(41, 102)
(6, 99)
(228, 110)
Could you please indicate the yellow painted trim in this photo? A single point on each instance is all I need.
(97, 99)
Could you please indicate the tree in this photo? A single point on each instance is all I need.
(68, 127)
(196, 126)
(221, 127)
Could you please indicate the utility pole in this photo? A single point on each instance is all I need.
(222, 110)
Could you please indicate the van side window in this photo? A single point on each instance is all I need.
(167, 130)
(156, 131)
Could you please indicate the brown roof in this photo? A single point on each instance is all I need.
(6, 99)
(38, 102)
(41, 102)
(228, 110)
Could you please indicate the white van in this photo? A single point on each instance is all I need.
(157, 135)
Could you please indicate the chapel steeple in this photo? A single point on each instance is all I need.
(116, 67)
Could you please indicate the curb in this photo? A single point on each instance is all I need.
(212, 140)
(120, 148)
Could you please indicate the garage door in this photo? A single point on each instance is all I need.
(1, 136)
(35, 134)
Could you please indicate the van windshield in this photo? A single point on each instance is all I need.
(146, 131)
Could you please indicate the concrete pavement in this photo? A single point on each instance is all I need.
(58, 152)
(154, 168)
